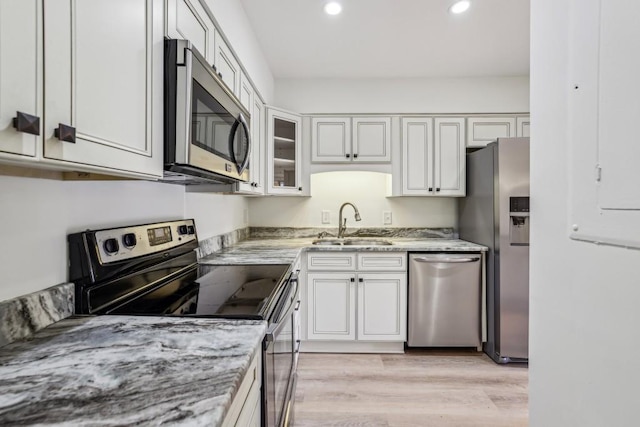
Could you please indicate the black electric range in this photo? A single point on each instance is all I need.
(152, 269)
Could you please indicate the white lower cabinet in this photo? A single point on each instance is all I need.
(245, 408)
(356, 305)
(331, 306)
(382, 307)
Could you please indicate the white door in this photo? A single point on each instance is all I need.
(371, 139)
(330, 139)
(187, 19)
(331, 306)
(483, 130)
(104, 79)
(449, 157)
(227, 65)
(20, 74)
(382, 307)
(417, 156)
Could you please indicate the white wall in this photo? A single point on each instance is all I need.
(433, 95)
(216, 213)
(37, 214)
(232, 19)
(584, 316)
(367, 190)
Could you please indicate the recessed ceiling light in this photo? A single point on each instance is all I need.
(333, 8)
(460, 6)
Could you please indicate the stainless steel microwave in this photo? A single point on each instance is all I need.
(206, 129)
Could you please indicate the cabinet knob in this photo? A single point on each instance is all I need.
(347, 155)
(26, 123)
(355, 156)
(353, 279)
(299, 188)
(430, 188)
(65, 133)
(438, 189)
(360, 279)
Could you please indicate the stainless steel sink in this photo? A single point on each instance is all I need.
(352, 242)
(327, 242)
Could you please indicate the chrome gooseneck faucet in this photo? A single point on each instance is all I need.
(342, 225)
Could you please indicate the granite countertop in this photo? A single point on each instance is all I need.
(285, 251)
(127, 370)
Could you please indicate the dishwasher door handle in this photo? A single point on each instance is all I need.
(446, 260)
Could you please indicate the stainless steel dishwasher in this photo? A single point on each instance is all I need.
(444, 300)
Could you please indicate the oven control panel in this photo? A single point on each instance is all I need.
(119, 244)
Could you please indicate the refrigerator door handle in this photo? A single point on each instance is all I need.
(445, 260)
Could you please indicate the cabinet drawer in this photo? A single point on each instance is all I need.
(338, 261)
(382, 261)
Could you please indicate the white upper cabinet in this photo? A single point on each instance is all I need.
(187, 19)
(523, 124)
(104, 84)
(372, 139)
(449, 157)
(227, 65)
(347, 139)
(433, 156)
(417, 156)
(284, 174)
(330, 139)
(246, 92)
(483, 130)
(20, 78)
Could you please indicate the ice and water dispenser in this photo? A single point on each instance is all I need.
(519, 221)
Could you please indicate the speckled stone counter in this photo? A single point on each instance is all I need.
(285, 251)
(122, 370)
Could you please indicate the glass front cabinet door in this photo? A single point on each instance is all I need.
(284, 175)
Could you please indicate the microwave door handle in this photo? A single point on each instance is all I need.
(245, 162)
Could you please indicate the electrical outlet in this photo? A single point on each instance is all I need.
(326, 217)
(386, 218)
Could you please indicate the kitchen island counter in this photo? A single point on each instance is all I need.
(127, 370)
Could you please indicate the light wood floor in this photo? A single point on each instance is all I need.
(419, 388)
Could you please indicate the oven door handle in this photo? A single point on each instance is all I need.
(277, 327)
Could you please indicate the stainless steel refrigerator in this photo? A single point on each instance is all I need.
(495, 213)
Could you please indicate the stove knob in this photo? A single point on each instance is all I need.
(192, 229)
(182, 229)
(111, 246)
(129, 240)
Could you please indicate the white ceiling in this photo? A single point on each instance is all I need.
(392, 38)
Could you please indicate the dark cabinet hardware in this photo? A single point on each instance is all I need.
(360, 279)
(347, 155)
(65, 133)
(299, 188)
(438, 189)
(27, 123)
(355, 156)
(353, 279)
(430, 188)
